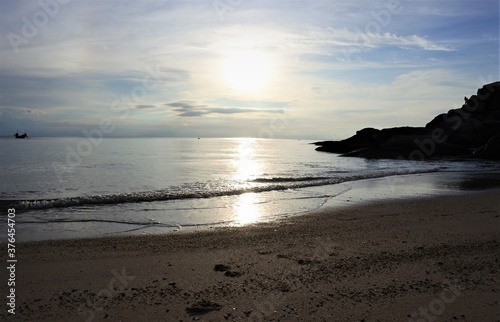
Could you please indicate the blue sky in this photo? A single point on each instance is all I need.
(231, 68)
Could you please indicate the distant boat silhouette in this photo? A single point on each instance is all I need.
(22, 136)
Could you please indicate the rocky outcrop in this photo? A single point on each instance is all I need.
(472, 131)
(491, 150)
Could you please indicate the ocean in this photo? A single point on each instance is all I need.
(78, 187)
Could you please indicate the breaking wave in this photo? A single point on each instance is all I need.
(206, 190)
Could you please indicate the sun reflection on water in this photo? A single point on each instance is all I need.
(246, 165)
(246, 168)
(247, 209)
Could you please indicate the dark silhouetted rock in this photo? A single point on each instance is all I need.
(491, 150)
(465, 132)
(232, 274)
(363, 138)
(221, 268)
(203, 307)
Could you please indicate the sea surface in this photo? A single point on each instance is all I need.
(78, 187)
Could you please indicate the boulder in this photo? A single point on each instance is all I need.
(363, 138)
(491, 150)
(454, 134)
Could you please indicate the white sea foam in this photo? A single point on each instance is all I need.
(196, 190)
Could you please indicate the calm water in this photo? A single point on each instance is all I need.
(70, 187)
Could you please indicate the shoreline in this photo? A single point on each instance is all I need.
(248, 208)
(389, 261)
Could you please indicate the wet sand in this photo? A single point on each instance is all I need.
(428, 259)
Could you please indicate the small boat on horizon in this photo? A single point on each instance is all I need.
(22, 136)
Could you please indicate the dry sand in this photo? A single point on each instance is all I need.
(434, 259)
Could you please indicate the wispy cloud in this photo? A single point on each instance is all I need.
(191, 109)
(345, 37)
(145, 106)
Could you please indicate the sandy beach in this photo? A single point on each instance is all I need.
(428, 259)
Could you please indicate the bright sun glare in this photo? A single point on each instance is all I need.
(247, 70)
(246, 167)
(247, 209)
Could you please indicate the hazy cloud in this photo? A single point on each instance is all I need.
(191, 108)
(145, 106)
(357, 38)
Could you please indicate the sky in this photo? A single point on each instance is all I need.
(239, 68)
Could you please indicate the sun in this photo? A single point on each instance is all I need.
(247, 70)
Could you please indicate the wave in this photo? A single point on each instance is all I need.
(288, 179)
(202, 191)
(142, 224)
